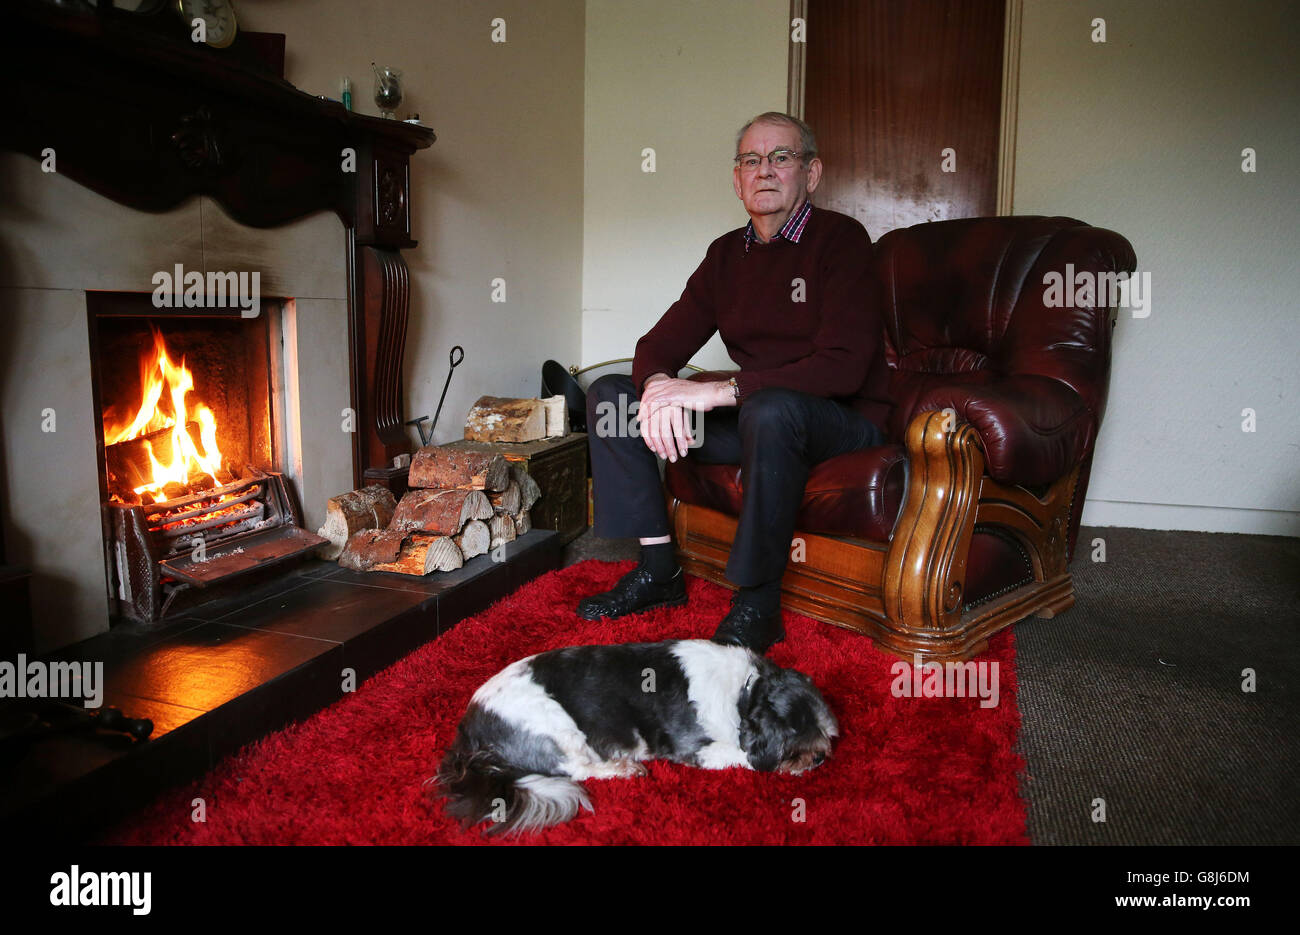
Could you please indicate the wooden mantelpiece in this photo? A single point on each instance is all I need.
(150, 120)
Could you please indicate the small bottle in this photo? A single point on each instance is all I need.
(347, 93)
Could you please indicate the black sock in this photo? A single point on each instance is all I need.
(765, 598)
(660, 560)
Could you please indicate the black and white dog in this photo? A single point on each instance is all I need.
(543, 724)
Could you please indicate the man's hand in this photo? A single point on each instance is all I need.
(662, 413)
(689, 394)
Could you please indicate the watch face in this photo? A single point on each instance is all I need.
(218, 19)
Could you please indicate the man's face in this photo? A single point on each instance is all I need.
(767, 190)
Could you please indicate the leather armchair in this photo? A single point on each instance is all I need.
(965, 521)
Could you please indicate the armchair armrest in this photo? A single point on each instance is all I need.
(1034, 429)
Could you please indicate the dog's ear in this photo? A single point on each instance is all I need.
(762, 736)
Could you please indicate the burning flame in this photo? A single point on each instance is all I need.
(157, 371)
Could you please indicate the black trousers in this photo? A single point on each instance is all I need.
(775, 437)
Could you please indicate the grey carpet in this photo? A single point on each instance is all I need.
(1135, 696)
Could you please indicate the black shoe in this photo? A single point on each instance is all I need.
(635, 592)
(745, 625)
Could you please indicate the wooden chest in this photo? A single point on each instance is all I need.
(559, 465)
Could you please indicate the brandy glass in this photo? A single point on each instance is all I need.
(388, 90)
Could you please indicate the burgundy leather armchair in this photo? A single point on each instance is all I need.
(965, 521)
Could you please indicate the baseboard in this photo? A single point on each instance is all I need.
(1191, 518)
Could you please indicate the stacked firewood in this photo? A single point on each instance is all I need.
(461, 504)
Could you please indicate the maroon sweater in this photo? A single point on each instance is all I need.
(829, 345)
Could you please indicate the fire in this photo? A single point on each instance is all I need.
(163, 407)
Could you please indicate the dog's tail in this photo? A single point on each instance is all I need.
(479, 786)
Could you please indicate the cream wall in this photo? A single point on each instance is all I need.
(679, 77)
(498, 195)
(1143, 134)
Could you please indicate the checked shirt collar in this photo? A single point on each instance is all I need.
(791, 230)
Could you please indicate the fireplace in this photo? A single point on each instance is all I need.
(218, 165)
(189, 425)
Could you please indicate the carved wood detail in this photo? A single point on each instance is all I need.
(387, 300)
(1041, 525)
(926, 572)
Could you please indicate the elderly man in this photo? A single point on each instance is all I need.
(793, 296)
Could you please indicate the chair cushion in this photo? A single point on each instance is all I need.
(856, 494)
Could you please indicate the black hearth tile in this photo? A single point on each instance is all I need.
(317, 568)
(431, 585)
(292, 696)
(209, 665)
(124, 641)
(328, 609)
(482, 581)
(249, 590)
(381, 646)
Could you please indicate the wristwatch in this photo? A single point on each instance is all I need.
(735, 387)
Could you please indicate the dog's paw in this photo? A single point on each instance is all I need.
(617, 769)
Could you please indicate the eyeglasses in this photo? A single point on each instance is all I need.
(777, 159)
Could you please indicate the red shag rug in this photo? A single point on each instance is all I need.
(904, 771)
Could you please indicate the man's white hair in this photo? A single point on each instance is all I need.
(807, 141)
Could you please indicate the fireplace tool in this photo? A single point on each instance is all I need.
(22, 725)
(454, 358)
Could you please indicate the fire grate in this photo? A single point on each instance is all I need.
(159, 551)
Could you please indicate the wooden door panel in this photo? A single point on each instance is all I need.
(890, 84)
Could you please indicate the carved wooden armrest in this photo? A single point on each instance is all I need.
(947, 493)
(925, 570)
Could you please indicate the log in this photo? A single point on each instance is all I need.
(502, 528)
(474, 539)
(529, 492)
(421, 555)
(557, 416)
(349, 513)
(435, 466)
(128, 462)
(440, 512)
(506, 501)
(523, 522)
(498, 419)
(370, 547)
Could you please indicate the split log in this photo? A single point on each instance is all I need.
(436, 466)
(502, 528)
(474, 539)
(349, 513)
(421, 555)
(523, 522)
(440, 512)
(529, 492)
(506, 501)
(371, 547)
(557, 416)
(128, 461)
(497, 419)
